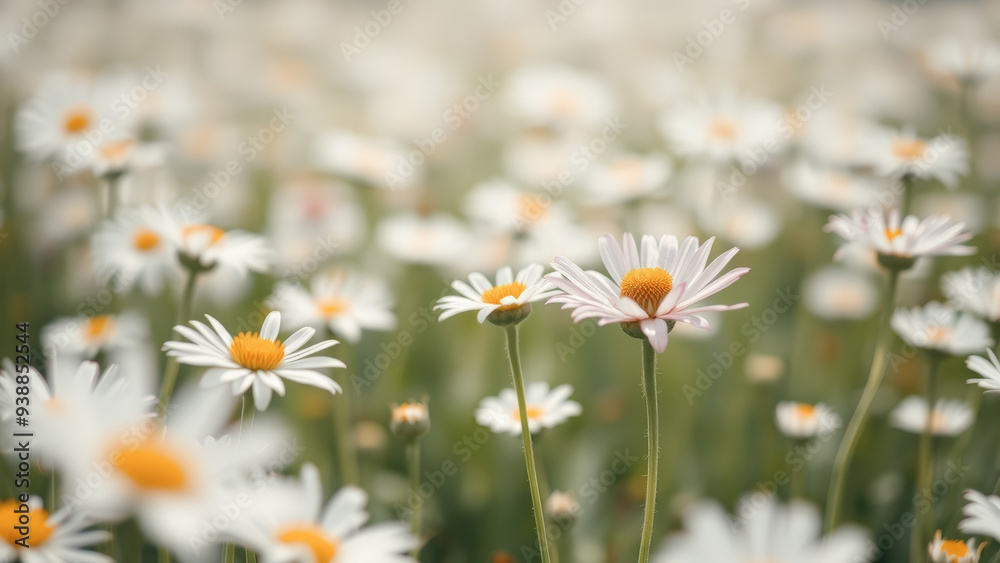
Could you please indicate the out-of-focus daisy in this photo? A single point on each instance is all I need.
(661, 284)
(545, 409)
(988, 369)
(837, 293)
(937, 326)
(377, 162)
(288, 524)
(765, 531)
(723, 128)
(802, 420)
(901, 153)
(82, 338)
(950, 417)
(829, 188)
(134, 246)
(626, 177)
(346, 302)
(257, 360)
(438, 239)
(963, 59)
(60, 537)
(954, 551)
(113, 157)
(207, 246)
(510, 297)
(902, 239)
(974, 290)
(747, 222)
(558, 96)
(410, 421)
(562, 507)
(982, 515)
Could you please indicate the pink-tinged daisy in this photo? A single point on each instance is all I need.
(257, 360)
(508, 299)
(900, 240)
(650, 288)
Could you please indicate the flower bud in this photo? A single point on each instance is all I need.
(410, 421)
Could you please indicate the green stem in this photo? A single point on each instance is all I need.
(345, 442)
(796, 488)
(846, 451)
(183, 315)
(906, 198)
(925, 465)
(162, 555)
(413, 465)
(113, 182)
(653, 453)
(544, 491)
(514, 355)
(229, 553)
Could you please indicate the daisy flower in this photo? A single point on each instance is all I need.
(203, 247)
(648, 290)
(898, 154)
(937, 326)
(950, 417)
(59, 537)
(828, 187)
(899, 240)
(967, 60)
(558, 96)
(410, 421)
(837, 293)
(288, 524)
(982, 515)
(254, 360)
(765, 531)
(82, 338)
(974, 290)
(626, 177)
(134, 247)
(437, 239)
(954, 551)
(989, 369)
(376, 162)
(802, 420)
(723, 128)
(545, 409)
(345, 302)
(506, 302)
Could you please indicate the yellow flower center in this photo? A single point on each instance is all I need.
(409, 412)
(322, 546)
(533, 412)
(331, 307)
(38, 524)
(152, 466)
(253, 352)
(629, 171)
(893, 233)
(805, 411)
(145, 239)
(910, 149)
(954, 548)
(565, 103)
(211, 231)
(531, 208)
(116, 151)
(647, 287)
(76, 120)
(495, 294)
(96, 327)
(937, 334)
(722, 129)
(937, 421)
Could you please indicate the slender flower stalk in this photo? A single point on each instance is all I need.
(410, 421)
(653, 450)
(183, 314)
(925, 461)
(413, 466)
(847, 445)
(514, 355)
(347, 456)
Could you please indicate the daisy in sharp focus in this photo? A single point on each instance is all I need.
(60, 537)
(289, 524)
(345, 302)
(254, 360)
(950, 417)
(937, 326)
(650, 288)
(510, 297)
(982, 515)
(901, 153)
(900, 239)
(802, 420)
(545, 409)
(954, 551)
(134, 247)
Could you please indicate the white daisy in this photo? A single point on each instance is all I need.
(346, 302)
(974, 290)
(802, 420)
(626, 177)
(834, 293)
(82, 338)
(377, 162)
(207, 246)
(559, 97)
(950, 417)
(661, 285)
(254, 360)
(954, 551)
(828, 187)
(901, 153)
(764, 531)
(60, 537)
(510, 293)
(967, 60)
(747, 221)
(903, 239)
(437, 239)
(544, 408)
(989, 369)
(723, 128)
(288, 524)
(937, 326)
(982, 515)
(134, 247)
